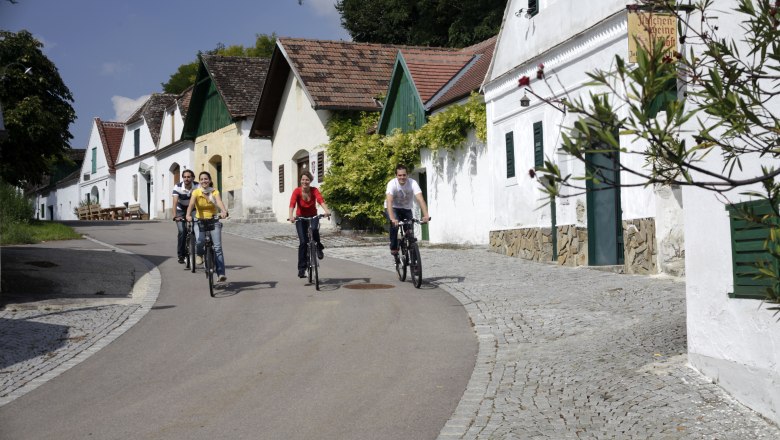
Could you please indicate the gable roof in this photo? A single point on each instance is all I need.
(431, 71)
(472, 76)
(335, 75)
(153, 112)
(183, 101)
(111, 134)
(239, 81)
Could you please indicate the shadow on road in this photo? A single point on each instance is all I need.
(24, 339)
(236, 287)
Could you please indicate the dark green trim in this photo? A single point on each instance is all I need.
(207, 112)
(510, 154)
(403, 107)
(748, 247)
(533, 7)
(538, 145)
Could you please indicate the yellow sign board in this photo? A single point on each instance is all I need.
(649, 26)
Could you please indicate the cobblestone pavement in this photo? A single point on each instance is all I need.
(40, 342)
(565, 353)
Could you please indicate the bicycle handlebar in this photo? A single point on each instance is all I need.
(318, 216)
(413, 220)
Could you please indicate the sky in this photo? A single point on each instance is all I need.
(113, 54)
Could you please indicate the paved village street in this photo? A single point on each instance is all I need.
(563, 353)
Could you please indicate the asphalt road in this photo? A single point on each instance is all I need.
(269, 358)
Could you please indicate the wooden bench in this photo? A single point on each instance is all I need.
(94, 212)
(83, 212)
(134, 212)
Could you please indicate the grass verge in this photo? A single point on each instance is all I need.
(35, 232)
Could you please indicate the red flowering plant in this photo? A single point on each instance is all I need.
(524, 81)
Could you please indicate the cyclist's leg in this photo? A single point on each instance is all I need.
(199, 238)
(315, 226)
(393, 235)
(300, 227)
(216, 241)
(181, 245)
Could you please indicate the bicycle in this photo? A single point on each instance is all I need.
(189, 240)
(313, 262)
(210, 255)
(409, 253)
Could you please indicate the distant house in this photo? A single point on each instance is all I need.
(173, 155)
(309, 80)
(58, 195)
(221, 112)
(455, 185)
(97, 179)
(135, 168)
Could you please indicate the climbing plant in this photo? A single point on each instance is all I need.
(362, 161)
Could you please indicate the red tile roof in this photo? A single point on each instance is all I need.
(471, 78)
(111, 137)
(432, 71)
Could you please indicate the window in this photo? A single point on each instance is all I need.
(538, 145)
(748, 246)
(137, 141)
(533, 8)
(320, 166)
(94, 160)
(135, 187)
(281, 178)
(510, 155)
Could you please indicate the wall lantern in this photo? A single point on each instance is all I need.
(525, 101)
(557, 104)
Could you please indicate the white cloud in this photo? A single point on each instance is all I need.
(112, 68)
(124, 107)
(323, 7)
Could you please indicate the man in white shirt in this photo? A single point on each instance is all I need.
(400, 195)
(181, 198)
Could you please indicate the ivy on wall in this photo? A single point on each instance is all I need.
(362, 161)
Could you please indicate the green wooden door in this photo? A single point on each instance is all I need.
(218, 166)
(605, 231)
(422, 180)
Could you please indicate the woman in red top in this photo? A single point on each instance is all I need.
(306, 197)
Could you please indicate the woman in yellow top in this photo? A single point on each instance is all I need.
(206, 200)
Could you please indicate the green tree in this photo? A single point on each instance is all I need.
(727, 111)
(442, 23)
(186, 73)
(36, 108)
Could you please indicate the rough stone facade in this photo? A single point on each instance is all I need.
(535, 244)
(529, 244)
(641, 252)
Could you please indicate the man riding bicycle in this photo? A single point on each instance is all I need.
(181, 198)
(400, 195)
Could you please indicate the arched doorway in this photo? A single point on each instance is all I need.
(301, 160)
(215, 165)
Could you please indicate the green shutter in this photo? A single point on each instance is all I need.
(748, 246)
(533, 7)
(137, 141)
(94, 160)
(510, 155)
(538, 145)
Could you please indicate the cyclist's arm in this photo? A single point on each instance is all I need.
(321, 201)
(175, 204)
(390, 210)
(423, 207)
(325, 207)
(223, 211)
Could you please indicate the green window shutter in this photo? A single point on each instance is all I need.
(510, 155)
(137, 142)
(533, 7)
(748, 246)
(94, 160)
(538, 145)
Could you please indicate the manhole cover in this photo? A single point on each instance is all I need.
(41, 263)
(368, 286)
(130, 244)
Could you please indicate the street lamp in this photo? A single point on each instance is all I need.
(3, 77)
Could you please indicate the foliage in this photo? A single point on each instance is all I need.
(36, 108)
(441, 23)
(731, 91)
(186, 73)
(36, 231)
(362, 161)
(14, 207)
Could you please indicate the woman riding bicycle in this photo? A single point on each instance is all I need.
(306, 198)
(205, 199)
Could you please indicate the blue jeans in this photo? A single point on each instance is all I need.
(216, 241)
(302, 227)
(400, 214)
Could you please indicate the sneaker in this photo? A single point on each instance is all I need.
(301, 273)
(199, 259)
(320, 255)
(181, 260)
(222, 278)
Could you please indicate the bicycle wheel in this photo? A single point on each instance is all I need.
(310, 256)
(191, 251)
(316, 266)
(210, 260)
(416, 265)
(400, 265)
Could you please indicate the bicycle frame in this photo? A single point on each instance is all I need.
(409, 252)
(311, 251)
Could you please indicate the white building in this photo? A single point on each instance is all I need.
(173, 155)
(552, 47)
(98, 169)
